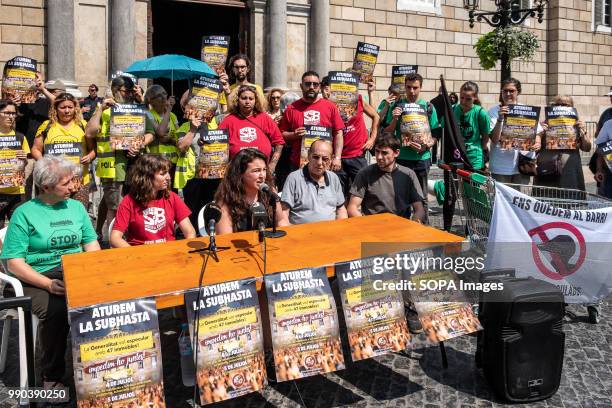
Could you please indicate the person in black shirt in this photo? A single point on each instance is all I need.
(90, 102)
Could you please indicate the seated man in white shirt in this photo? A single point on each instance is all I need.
(314, 193)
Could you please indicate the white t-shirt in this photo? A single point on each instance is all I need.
(504, 162)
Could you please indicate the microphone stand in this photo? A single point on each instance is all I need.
(212, 247)
(274, 233)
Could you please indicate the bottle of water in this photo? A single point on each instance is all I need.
(186, 352)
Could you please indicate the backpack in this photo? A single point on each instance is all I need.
(45, 131)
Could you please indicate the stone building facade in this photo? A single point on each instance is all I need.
(286, 37)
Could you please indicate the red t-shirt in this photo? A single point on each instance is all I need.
(355, 133)
(153, 223)
(321, 112)
(245, 133)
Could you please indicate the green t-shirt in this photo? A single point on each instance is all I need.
(473, 124)
(42, 233)
(407, 153)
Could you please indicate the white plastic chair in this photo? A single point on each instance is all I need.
(201, 222)
(10, 315)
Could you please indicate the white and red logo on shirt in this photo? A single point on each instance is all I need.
(248, 134)
(312, 117)
(154, 219)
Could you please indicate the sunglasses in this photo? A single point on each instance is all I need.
(275, 98)
(309, 84)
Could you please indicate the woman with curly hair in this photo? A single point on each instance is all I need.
(64, 135)
(245, 173)
(148, 213)
(249, 125)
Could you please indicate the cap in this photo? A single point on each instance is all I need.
(55, 84)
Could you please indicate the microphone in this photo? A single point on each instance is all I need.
(264, 188)
(212, 215)
(259, 218)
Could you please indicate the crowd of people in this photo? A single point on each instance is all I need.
(151, 193)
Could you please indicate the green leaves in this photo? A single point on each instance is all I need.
(519, 44)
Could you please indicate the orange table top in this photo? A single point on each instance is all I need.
(165, 270)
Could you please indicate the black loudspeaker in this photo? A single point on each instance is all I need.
(521, 347)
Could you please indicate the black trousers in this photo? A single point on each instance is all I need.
(350, 168)
(197, 193)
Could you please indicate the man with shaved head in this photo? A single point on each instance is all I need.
(314, 193)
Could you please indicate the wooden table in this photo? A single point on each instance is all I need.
(165, 270)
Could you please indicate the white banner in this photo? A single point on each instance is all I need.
(571, 249)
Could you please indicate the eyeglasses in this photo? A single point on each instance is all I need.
(317, 157)
(9, 114)
(309, 84)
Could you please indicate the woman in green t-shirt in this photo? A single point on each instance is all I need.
(40, 232)
(474, 124)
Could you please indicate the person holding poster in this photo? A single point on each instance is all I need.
(474, 124)
(604, 158)
(13, 159)
(312, 110)
(240, 188)
(148, 214)
(504, 162)
(563, 129)
(64, 135)
(40, 232)
(165, 122)
(240, 66)
(250, 126)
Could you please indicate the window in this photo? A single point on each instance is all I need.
(601, 15)
(424, 6)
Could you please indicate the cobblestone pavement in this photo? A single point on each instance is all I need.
(412, 379)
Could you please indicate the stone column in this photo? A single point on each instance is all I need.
(319, 36)
(276, 52)
(60, 31)
(123, 26)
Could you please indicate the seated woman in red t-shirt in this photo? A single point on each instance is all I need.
(148, 213)
(250, 126)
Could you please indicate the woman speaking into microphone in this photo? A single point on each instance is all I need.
(241, 188)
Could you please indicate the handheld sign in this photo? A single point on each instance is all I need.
(19, 79)
(415, 125)
(214, 51)
(365, 61)
(398, 78)
(12, 169)
(344, 94)
(313, 133)
(203, 98)
(520, 127)
(214, 154)
(127, 126)
(562, 132)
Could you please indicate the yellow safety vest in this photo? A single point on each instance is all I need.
(169, 151)
(186, 163)
(105, 167)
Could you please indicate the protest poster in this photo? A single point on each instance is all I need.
(443, 309)
(117, 354)
(304, 323)
(214, 51)
(605, 149)
(568, 247)
(12, 169)
(562, 132)
(398, 78)
(365, 61)
(127, 126)
(203, 98)
(230, 356)
(344, 94)
(520, 127)
(374, 315)
(214, 154)
(313, 132)
(72, 150)
(414, 124)
(19, 79)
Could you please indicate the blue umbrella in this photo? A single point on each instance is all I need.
(171, 66)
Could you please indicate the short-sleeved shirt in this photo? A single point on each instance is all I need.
(387, 192)
(605, 116)
(473, 124)
(406, 153)
(321, 112)
(310, 201)
(233, 87)
(355, 134)
(12, 137)
(258, 131)
(186, 127)
(41, 233)
(152, 223)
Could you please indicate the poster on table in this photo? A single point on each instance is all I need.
(398, 78)
(365, 61)
(19, 79)
(12, 169)
(214, 154)
(116, 353)
(230, 356)
(304, 324)
(312, 133)
(203, 98)
(520, 127)
(562, 132)
(443, 309)
(374, 314)
(414, 125)
(127, 126)
(214, 51)
(70, 149)
(344, 87)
